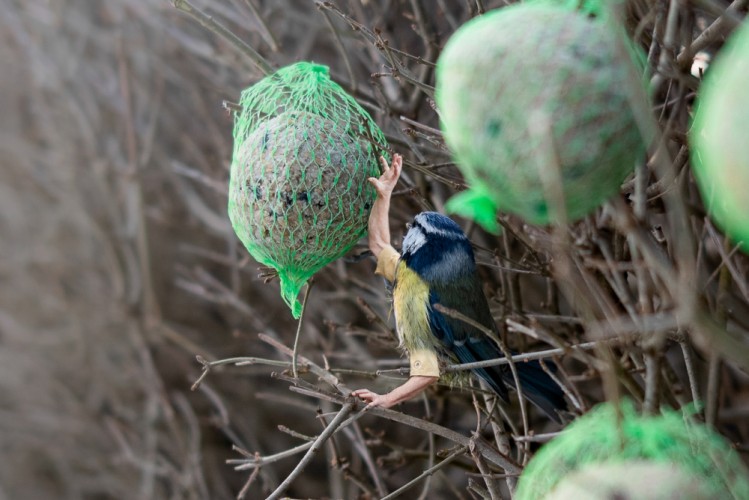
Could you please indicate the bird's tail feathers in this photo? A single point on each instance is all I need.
(490, 377)
(539, 388)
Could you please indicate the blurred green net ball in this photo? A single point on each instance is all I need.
(631, 480)
(602, 437)
(720, 138)
(298, 191)
(530, 95)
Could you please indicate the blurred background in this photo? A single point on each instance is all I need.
(119, 265)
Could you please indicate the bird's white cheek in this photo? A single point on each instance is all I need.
(413, 241)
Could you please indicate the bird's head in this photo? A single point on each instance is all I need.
(437, 249)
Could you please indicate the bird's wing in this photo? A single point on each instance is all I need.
(470, 344)
(466, 342)
(465, 297)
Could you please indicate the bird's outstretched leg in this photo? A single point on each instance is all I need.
(379, 239)
(412, 387)
(379, 225)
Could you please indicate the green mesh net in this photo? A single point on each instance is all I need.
(719, 135)
(298, 191)
(601, 437)
(535, 108)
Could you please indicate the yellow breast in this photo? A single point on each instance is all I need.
(410, 302)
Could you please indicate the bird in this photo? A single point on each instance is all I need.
(437, 266)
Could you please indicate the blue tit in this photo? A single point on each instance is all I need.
(437, 266)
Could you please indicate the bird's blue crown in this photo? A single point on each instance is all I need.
(437, 249)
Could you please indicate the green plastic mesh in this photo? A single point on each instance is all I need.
(531, 94)
(599, 437)
(298, 192)
(719, 136)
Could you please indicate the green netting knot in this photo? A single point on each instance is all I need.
(477, 204)
(298, 191)
(318, 68)
(291, 285)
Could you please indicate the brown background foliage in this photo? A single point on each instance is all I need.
(119, 265)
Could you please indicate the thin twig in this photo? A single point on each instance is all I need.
(316, 445)
(487, 451)
(208, 22)
(719, 27)
(713, 389)
(652, 377)
(267, 33)
(491, 484)
(537, 438)
(299, 329)
(508, 356)
(341, 48)
(427, 473)
(519, 358)
(689, 363)
(257, 461)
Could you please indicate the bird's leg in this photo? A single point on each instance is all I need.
(379, 226)
(412, 387)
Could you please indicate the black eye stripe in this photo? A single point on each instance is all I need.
(431, 226)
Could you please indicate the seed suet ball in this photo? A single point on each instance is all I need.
(535, 96)
(611, 434)
(720, 138)
(299, 195)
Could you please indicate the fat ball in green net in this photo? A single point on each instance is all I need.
(604, 437)
(720, 155)
(538, 95)
(298, 191)
(631, 480)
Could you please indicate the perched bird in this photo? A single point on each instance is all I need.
(437, 266)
